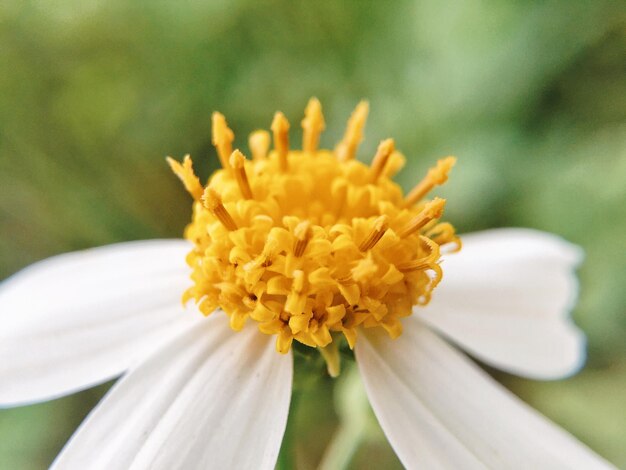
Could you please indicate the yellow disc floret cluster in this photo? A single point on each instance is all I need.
(312, 243)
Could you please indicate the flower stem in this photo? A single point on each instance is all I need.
(353, 410)
(287, 456)
(342, 448)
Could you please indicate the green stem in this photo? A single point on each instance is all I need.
(287, 456)
(353, 409)
(344, 444)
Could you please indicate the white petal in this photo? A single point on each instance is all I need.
(78, 319)
(212, 398)
(439, 410)
(505, 298)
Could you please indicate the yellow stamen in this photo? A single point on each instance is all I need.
(237, 162)
(432, 210)
(313, 125)
(259, 143)
(385, 149)
(303, 234)
(213, 203)
(222, 138)
(427, 262)
(280, 128)
(381, 224)
(444, 234)
(187, 176)
(346, 280)
(411, 266)
(269, 252)
(346, 149)
(436, 176)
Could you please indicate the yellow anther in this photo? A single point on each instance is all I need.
(411, 266)
(346, 149)
(266, 258)
(432, 210)
(313, 125)
(222, 138)
(303, 234)
(249, 301)
(381, 224)
(385, 149)
(280, 128)
(237, 162)
(213, 203)
(346, 280)
(259, 143)
(298, 281)
(444, 233)
(436, 176)
(187, 176)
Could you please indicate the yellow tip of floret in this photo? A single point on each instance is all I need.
(346, 149)
(313, 124)
(186, 174)
(237, 162)
(436, 176)
(280, 128)
(385, 149)
(222, 138)
(259, 143)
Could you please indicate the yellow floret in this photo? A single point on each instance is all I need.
(313, 244)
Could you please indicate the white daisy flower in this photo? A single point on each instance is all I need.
(314, 247)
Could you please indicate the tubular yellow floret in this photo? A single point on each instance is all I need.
(213, 202)
(313, 125)
(259, 143)
(436, 176)
(237, 163)
(381, 224)
(426, 262)
(313, 254)
(432, 210)
(410, 266)
(346, 149)
(222, 138)
(445, 234)
(280, 128)
(303, 234)
(186, 174)
(385, 149)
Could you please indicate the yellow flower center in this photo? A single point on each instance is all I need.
(312, 244)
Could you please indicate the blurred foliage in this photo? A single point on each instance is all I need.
(531, 96)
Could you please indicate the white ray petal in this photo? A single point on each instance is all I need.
(212, 398)
(78, 319)
(506, 299)
(439, 410)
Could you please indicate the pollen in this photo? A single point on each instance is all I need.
(313, 245)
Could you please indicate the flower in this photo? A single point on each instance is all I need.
(311, 247)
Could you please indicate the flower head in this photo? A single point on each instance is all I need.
(313, 243)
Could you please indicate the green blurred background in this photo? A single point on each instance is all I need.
(530, 95)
